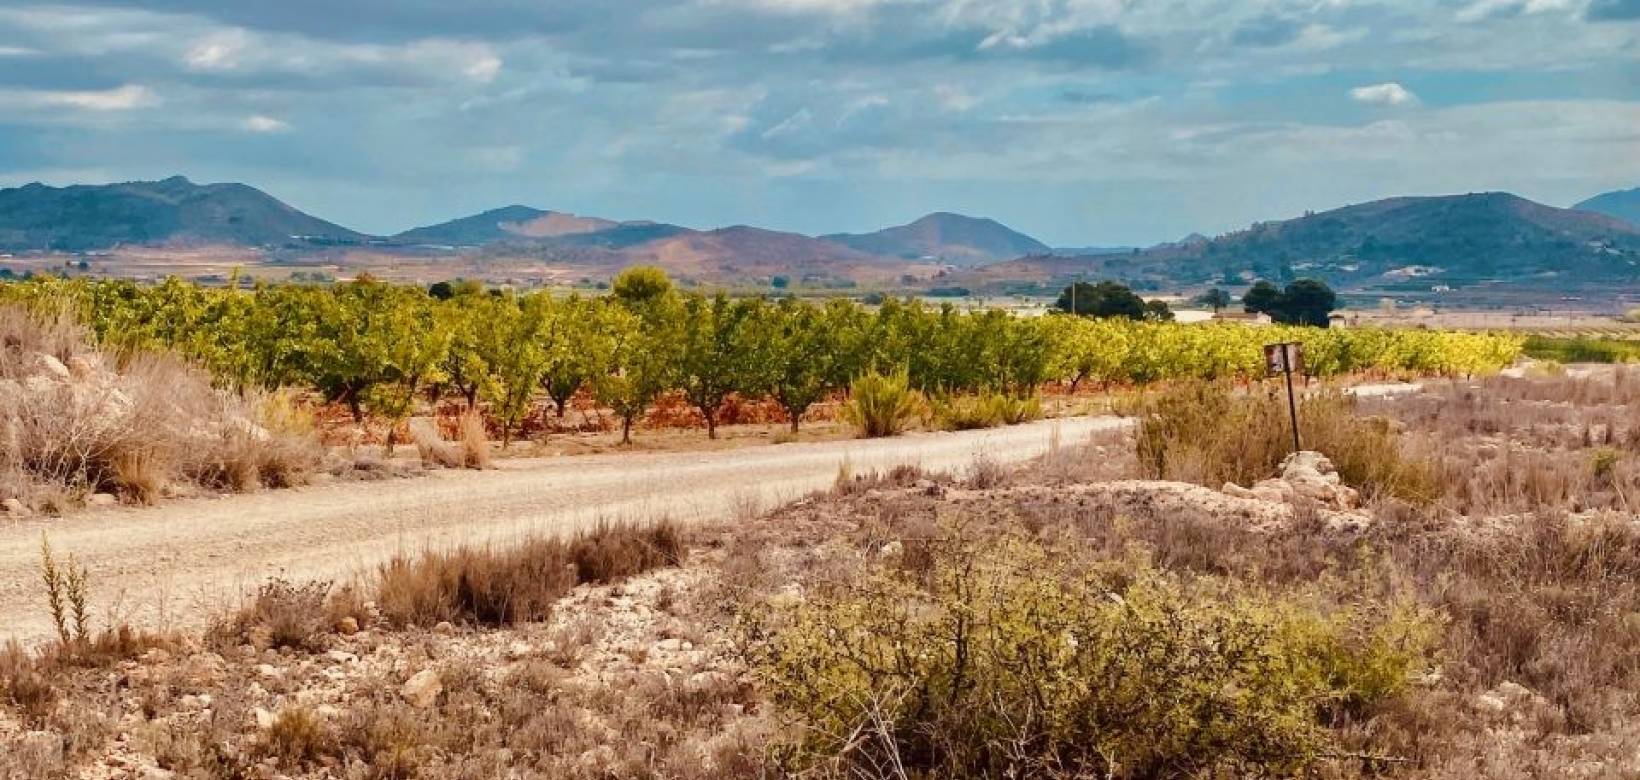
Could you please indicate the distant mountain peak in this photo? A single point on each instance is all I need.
(1619, 204)
(954, 238)
(168, 211)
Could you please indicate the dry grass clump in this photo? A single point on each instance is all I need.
(502, 586)
(78, 421)
(882, 405)
(470, 450)
(1209, 434)
(1522, 445)
(282, 614)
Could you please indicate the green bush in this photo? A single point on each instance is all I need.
(1010, 659)
(986, 410)
(965, 412)
(882, 404)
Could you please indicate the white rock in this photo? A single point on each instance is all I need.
(101, 499)
(50, 366)
(263, 717)
(422, 689)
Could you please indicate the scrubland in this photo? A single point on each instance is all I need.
(1449, 593)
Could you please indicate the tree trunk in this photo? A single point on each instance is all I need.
(796, 418)
(711, 422)
(354, 406)
(560, 403)
(626, 429)
(471, 393)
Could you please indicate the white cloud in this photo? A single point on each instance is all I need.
(1386, 94)
(16, 51)
(1486, 9)
(259, 123)
(218, 52)
(123, 98)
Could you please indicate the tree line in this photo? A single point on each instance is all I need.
(377, 347)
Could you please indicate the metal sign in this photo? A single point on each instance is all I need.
(1284, 358)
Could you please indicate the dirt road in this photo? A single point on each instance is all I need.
(175, 564)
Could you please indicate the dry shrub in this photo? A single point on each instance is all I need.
(1007, 658)
(882, 405)
(283, 614)
(899, 476)
(1207, 433)
(80, 421)
(985, 473)
(475, 441)
(470, 450)
(498, 587)
(298, 735)
(431, 448)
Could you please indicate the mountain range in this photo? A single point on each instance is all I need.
(1417, 241)
(1622, 204)
(175, 210)
(1405, 242)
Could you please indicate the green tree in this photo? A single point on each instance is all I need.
(415, 350)
(1215, 299)
(1105, 299)
(579, 353)
(1262, 298)
(1303, 302)
(717, 352)
(640, 285)
(641, 348)
(803, 354)
(464, 367)
(515, 337)
(1308, 302)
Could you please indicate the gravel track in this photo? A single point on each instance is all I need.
(175, 564)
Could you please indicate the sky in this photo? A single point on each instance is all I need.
(1080, 122)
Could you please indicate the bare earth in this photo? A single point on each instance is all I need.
(175, 564)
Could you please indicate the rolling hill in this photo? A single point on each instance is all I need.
(1622, 204)
(1420, 242)
(508, 223)
(945, 237)
(172, 211)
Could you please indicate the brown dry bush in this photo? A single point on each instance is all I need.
(502, 586)
(1208, 433)
(282, 614)
(80, 421)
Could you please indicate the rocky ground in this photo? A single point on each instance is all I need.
(648, 677)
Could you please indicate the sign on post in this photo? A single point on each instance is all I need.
(1284, 359)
